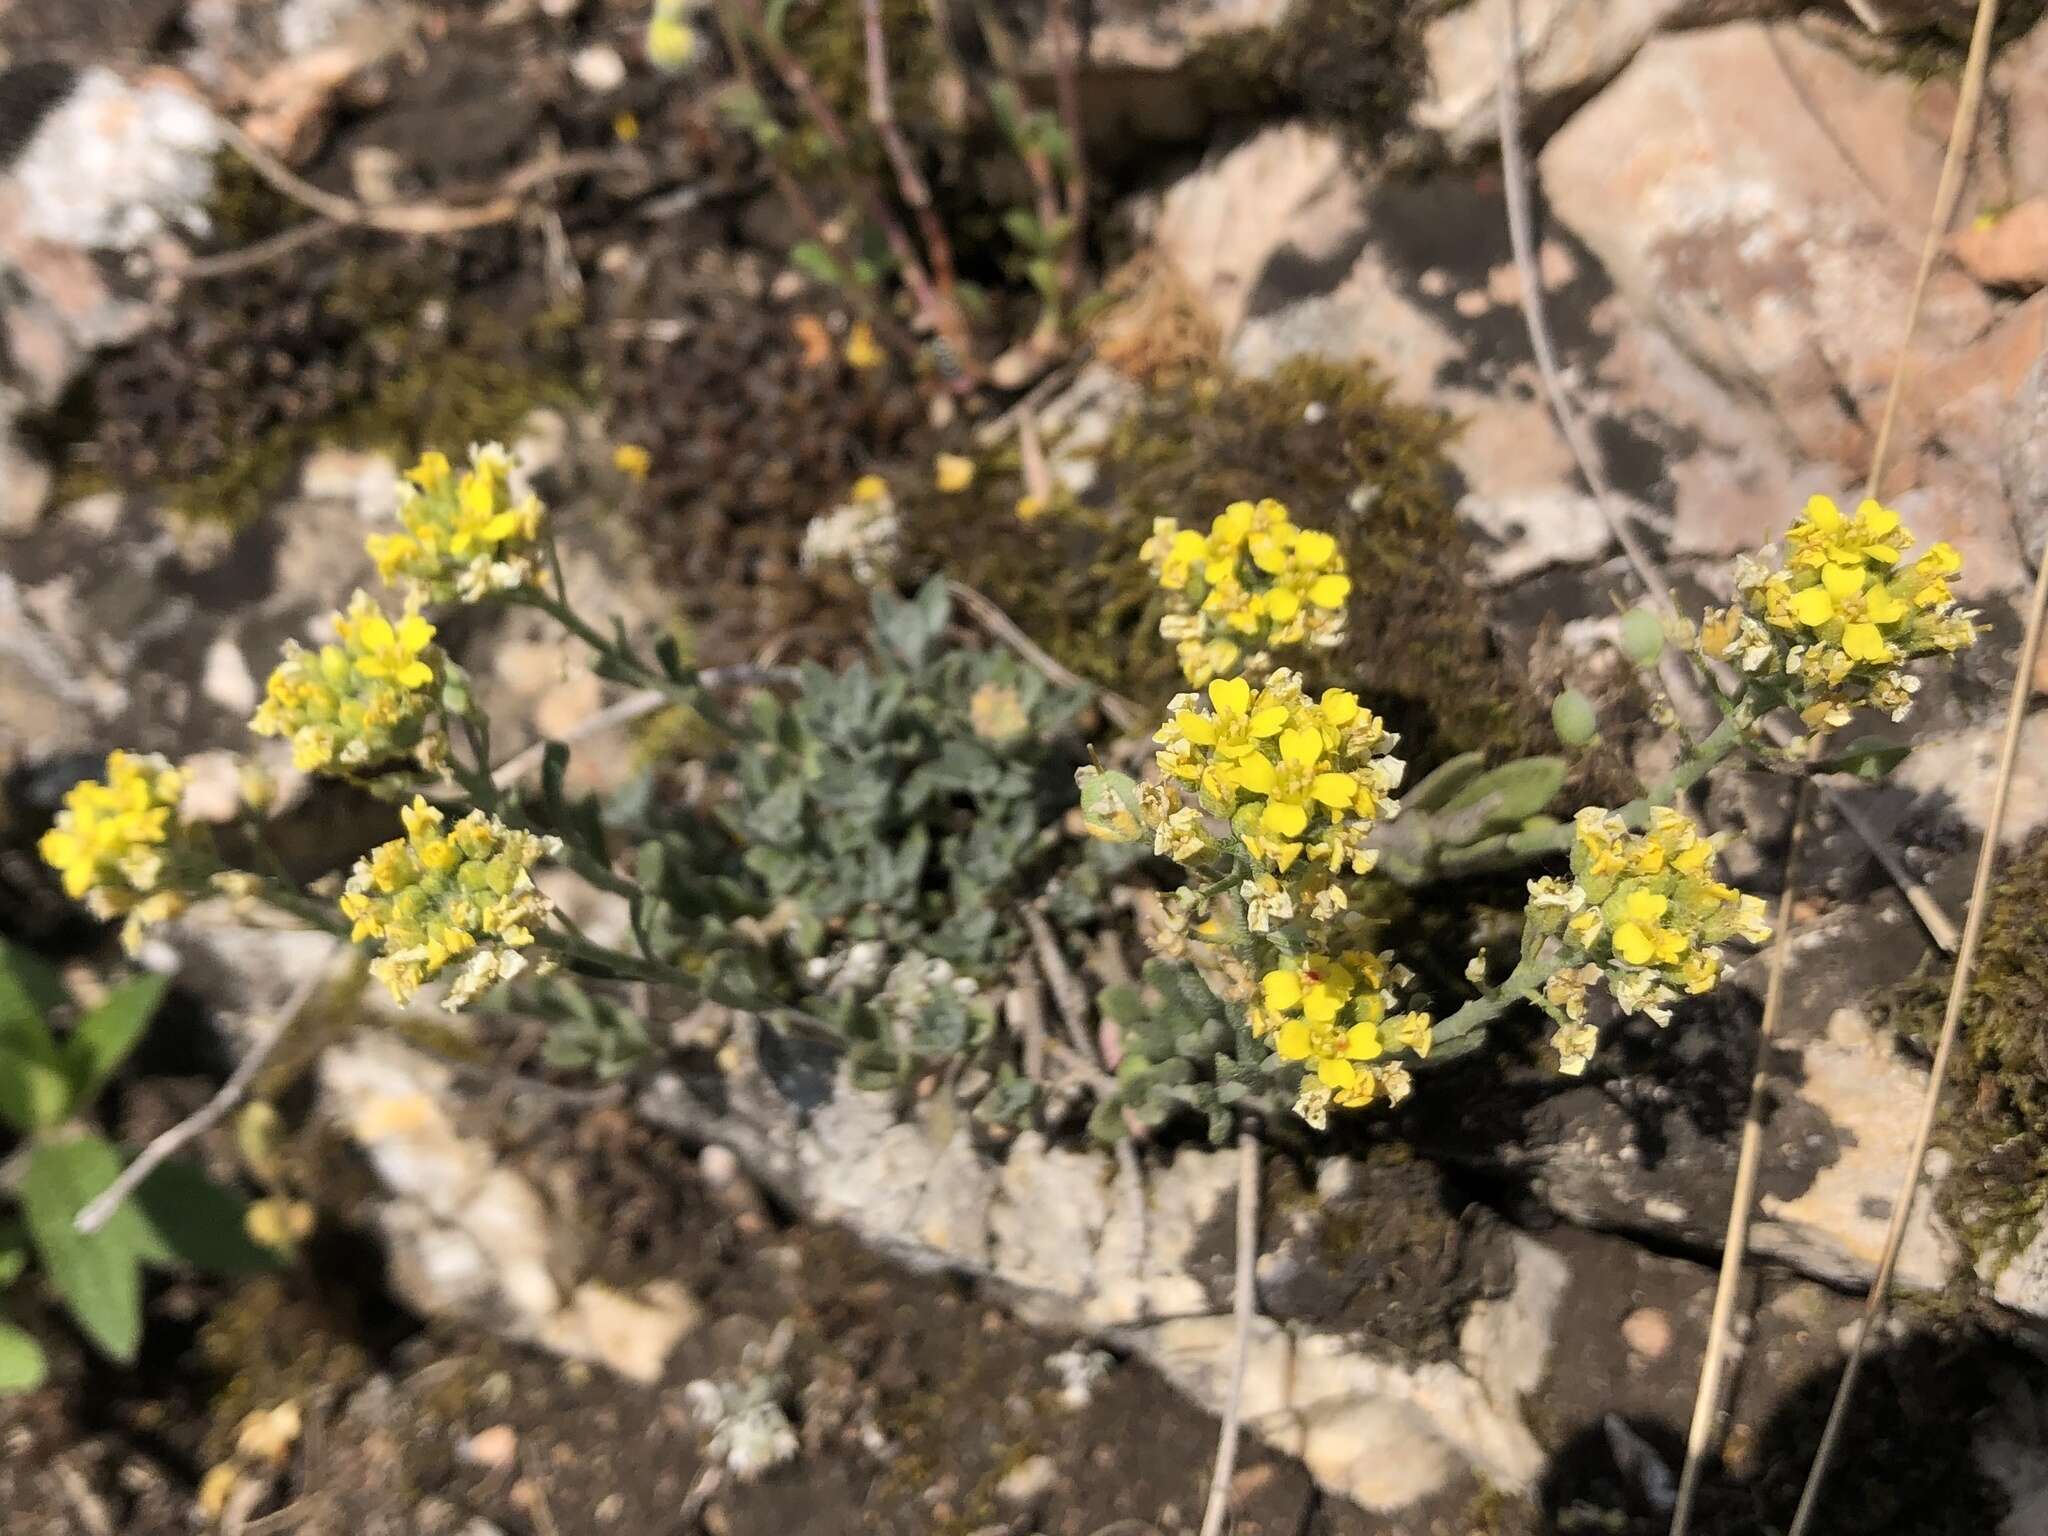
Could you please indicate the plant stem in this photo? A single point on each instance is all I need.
(1520, 984)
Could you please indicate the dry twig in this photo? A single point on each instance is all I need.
(1123, 713)
(102, 1206)
(1241, 1315)
(910, 182)
(1707, 1403)
(1951, 1027)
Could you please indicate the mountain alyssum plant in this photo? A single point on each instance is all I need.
(1279, 801)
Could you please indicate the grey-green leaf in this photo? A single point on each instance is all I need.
(1571, 713)
(192, 1219)
(33, 1094)
(97, 1277)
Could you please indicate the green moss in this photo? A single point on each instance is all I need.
(447, 397)
(1996, 1115)
(1328, 440)
(1354, 66)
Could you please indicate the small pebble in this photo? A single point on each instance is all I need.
(491, 1448)
(598, 68)
(1648, 1332)
(1029, 1481)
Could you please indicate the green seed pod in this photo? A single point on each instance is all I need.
(1572, 715)
(1642, 636)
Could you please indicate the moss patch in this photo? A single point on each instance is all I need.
(1328, 440)
(1996, 1115)
(1354, 66)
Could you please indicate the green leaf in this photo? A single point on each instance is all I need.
(29, 991)
(105, 1037)
(1023, 227)
(97, 1277)
(1869, 758)
(189, 1218)
(1572, 715)
(22, 1366)
(814, 261)
(1434, 792)
(33, 1095)
(1510, 794)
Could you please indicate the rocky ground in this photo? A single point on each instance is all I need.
(1484, 1317)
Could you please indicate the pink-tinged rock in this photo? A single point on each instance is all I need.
(1289, 187)
(2008, 252)
(1762, 198)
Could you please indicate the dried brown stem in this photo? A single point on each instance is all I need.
(1069, 57)
(910, 183)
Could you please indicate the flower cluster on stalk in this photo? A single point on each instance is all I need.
(123, 848)
(464, 536)
(441, 896)
(1300, 783)
(1334, 1014)
(1830, 630)
(363, 702)
(1642, 912)
(1253, 583)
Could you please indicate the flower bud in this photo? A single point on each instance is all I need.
(1109, 805)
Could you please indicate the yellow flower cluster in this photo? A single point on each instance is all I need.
(465, 536)
(1254, 582)
(361, 702)
(1830, 630)
(1645, 912)
(1334, 1015)
(444, 894)
(1300, 781)
(122, 847)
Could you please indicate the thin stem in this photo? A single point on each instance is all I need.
(910, 182)
(1707, 1404)
(1069, 57)
(1240, 1350)
(100, 1209)
(1520, 984)
(1951, 1027)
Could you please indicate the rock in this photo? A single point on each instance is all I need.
(1954, 773)
(1520, 535)
(1569, 51)
(471, 1239)
(1058, 1230)
(1886, 16)
(1761, 198)
(116, 166)
(2023, 463)
(1287, 189)
(1648, 1333)
(25, 483)
(227, 680)
(2010, 251)
(1859, 1079)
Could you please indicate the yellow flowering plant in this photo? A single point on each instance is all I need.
(123, 846)
(364, 703)
(1830, 629)
(1254, 583)
(1280, 806)
(463, 536)
(442, 896)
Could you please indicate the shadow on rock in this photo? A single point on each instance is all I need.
(1943, 1438)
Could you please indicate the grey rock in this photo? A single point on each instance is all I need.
(2023, 464)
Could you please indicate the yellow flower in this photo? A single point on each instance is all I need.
(362, 703)
(953, 473)
(1254, 582)
(861, 350)
(1030, 508)
(626, 128)
(1829, 631)
(671, 41)
(123, 848)
(463, 538)
(632, 461)
(869, 489)
(442, 894)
